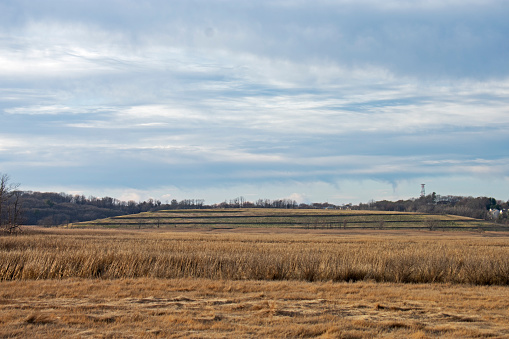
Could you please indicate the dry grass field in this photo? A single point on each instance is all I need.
(254, 282)
(205, 308)
(272, 254)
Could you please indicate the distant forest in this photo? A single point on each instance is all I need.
(479, 208)
(49, 209)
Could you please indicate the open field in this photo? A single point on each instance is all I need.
(307, 219)
(269, 254)
(254, 282)
(204, 308)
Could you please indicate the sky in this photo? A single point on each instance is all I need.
(318, 101)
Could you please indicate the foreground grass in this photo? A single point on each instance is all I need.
(205, 308)
(254, 283)
(381, 256)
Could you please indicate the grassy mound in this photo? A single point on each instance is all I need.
(306, 219)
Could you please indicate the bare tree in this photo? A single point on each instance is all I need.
(4, 197)
(431, 223)
(10, 205)
(14, 213)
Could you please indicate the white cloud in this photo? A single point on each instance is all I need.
(130, 195)
(210, 94)
(300, 198)
(55, 110)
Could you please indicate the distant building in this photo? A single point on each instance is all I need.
(494, 213)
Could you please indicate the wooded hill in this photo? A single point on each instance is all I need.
(49, 209)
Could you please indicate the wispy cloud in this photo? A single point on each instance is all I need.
(282, 98)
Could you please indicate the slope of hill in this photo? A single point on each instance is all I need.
(308, 219)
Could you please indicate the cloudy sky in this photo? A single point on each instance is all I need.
(340, 101)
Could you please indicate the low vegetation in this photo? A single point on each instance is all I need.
(328, 255)
(245, 282)
(205, 308)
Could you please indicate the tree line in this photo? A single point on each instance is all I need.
(486, 208)
(49, 209)
(241, 202)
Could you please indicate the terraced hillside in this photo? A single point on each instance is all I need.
(308, 219)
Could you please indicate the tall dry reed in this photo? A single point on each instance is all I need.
(471, 260)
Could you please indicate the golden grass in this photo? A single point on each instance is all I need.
(383, 256)
(253, 283)
(204, 308)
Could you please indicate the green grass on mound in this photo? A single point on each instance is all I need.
(306, 219)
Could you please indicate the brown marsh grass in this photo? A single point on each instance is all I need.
(384, 256)
(205, 308)
(253, 283)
